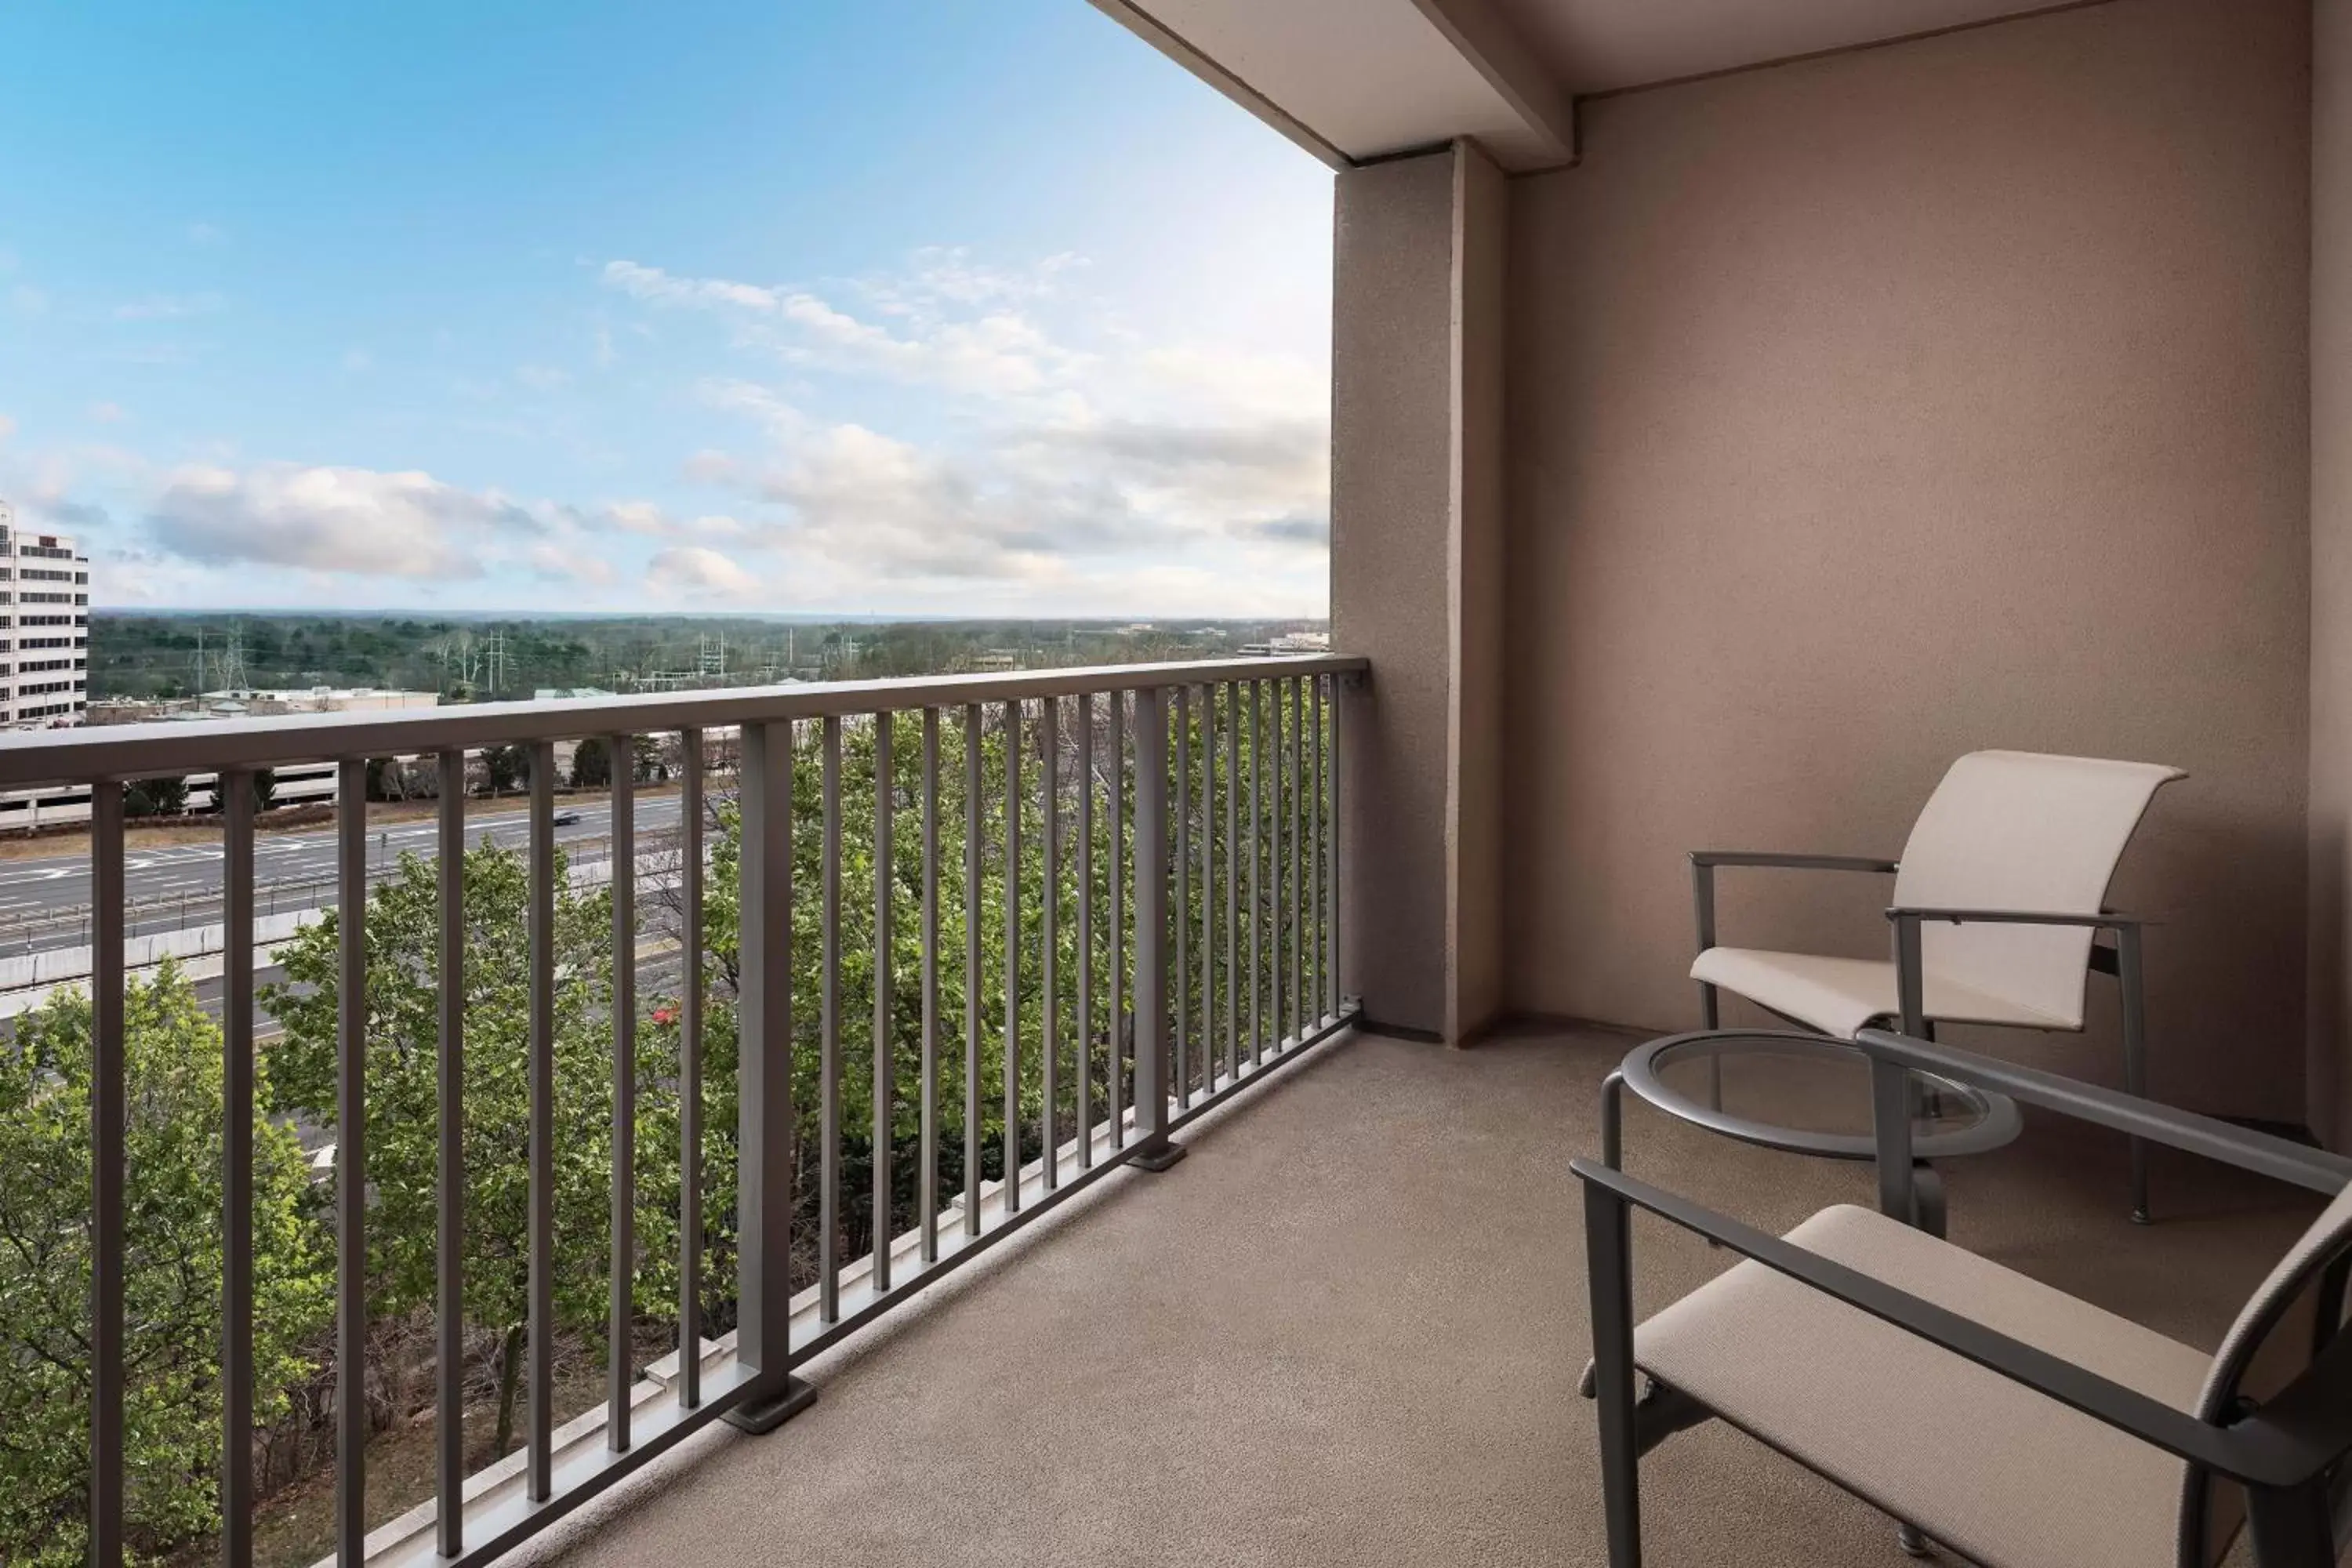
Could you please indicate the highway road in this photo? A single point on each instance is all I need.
(42, 901)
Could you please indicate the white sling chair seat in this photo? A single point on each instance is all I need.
(2015, 831)
(2031, 841)
(1842, 996)
(1984, 1465)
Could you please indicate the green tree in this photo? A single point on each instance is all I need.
(505, 766)
(404, 1171)
(265, 788)
(171, 1277)
(592, 763)
(165, 796)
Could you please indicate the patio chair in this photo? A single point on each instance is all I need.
(1998, 897)
(2017, 1426)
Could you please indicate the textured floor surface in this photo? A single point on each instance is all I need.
(1346, 1330)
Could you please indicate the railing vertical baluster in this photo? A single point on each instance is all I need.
(885, 1085)
(1208, 890)
(1153, 1150)
(1115, 1082)
(233, 790)
(1322, 972)
(110, 1110)
(1232, 880)
(1086, 930)
(1049, 979)
(539, 1307)
(927, 1196)
(1011, 1062)
(971, 1128)
(1295, 769)
(1339, 828)
(689, 1074)
(765, 1082)
(620, 1370)
(1276, 936)
(449, 1229)
(1183, 1084)
(1256, 895)
(828, 1244)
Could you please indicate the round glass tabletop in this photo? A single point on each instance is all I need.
(1807, 1094)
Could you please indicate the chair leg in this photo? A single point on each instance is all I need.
(2127, 977)
(2292, 1529)
(1609, 1262)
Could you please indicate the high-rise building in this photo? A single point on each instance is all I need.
(44, 627)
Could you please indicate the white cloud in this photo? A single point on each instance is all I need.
(107, 412)
(566, 565)
(358, 362)
(1079, 446)
(711, 467)
(27, 299)
(7, 428)
(642, 517)
(654, 285)
(754, 401)
(997, 353)
(358, 522)
(167, 307)
(543, 377)
(693, 572)
(205, 234)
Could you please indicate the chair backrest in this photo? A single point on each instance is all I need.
(2019, 830)
(2278, 1332)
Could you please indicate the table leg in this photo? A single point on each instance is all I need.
(1613, 1119)
(1928, 1199)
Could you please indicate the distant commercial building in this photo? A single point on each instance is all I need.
(1289, 645)
(301, 783)
(44, 628)
(261, 701)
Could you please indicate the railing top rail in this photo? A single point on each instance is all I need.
(139, 751)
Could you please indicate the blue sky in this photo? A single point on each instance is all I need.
(877, 306)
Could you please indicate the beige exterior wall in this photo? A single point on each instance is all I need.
(1871, 409)
(2330, 1079)
(1475, 613)
(1416, 583)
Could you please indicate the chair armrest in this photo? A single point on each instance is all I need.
(1793, 862)
(2255, 1452)
(1704, 862)
(2105, 919)
(2122, 959)
(2261, 1152)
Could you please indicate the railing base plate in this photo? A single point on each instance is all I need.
(1157, 1158)
(770, 1413)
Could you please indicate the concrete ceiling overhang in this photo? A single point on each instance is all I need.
(1357, 80)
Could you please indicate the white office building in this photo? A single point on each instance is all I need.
(44, 628)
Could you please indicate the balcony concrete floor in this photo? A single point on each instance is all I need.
(1346, 1332)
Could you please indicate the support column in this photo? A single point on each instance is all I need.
(1416, 584)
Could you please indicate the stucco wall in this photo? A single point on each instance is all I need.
(2330, 1076)
(1391, 455)
(1482, 205)
(1417, 525)
(1873, 409)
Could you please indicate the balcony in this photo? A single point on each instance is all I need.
(1380, 1367)
(1733, 422)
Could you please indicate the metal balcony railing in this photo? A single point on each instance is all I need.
(1168, 845)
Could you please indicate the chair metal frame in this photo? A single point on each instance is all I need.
(2121, 962)
(2283, 1452)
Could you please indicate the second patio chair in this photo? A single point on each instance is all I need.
(1998, 896)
